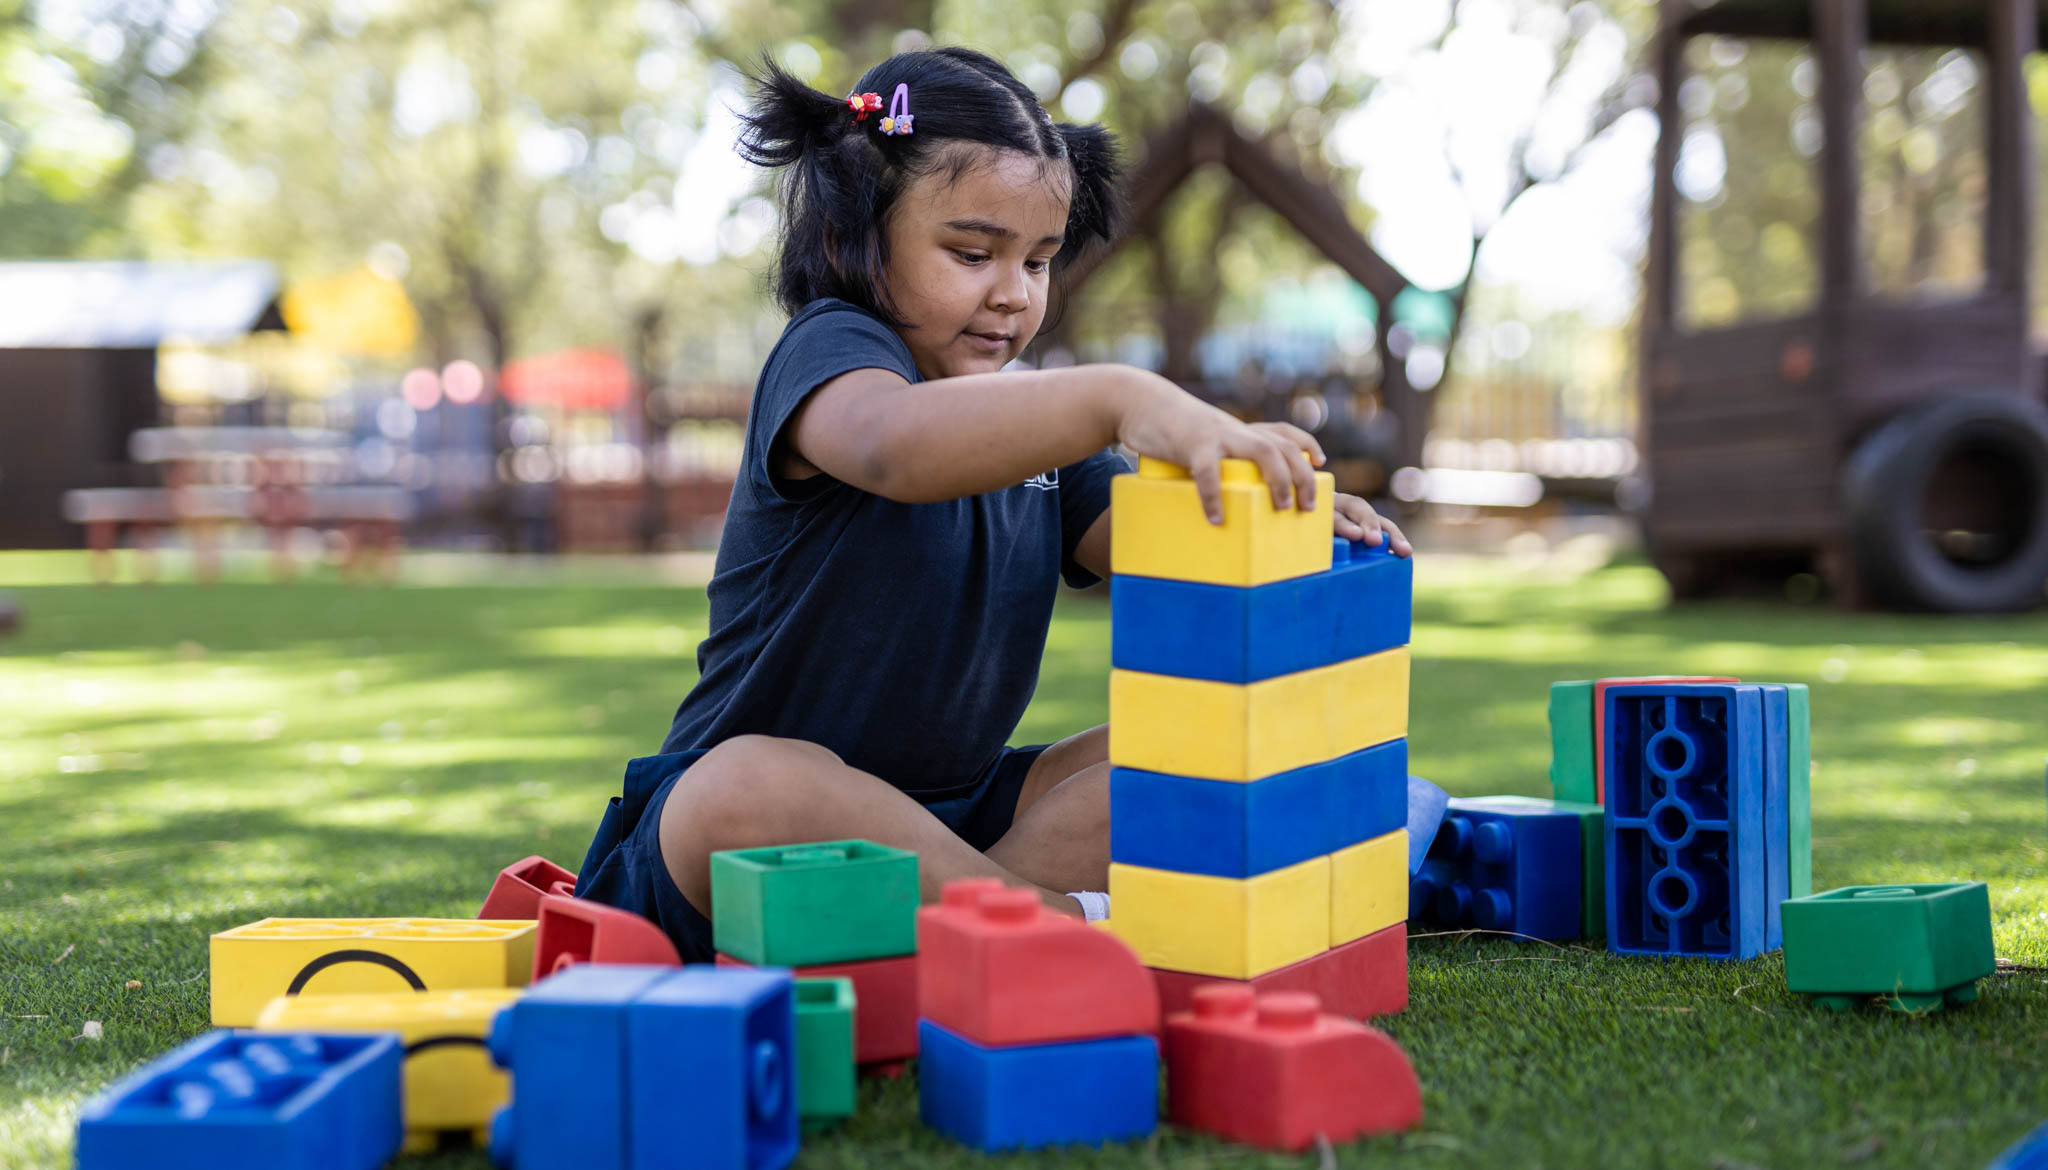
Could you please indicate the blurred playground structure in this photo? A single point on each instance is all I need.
(1754, 278)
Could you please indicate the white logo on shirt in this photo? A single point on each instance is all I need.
(1046, 482)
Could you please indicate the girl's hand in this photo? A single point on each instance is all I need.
(1159, 419)
(1357, 521)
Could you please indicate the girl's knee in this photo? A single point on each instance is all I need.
(735, 796)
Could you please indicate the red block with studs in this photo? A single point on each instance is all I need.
(1365, 977)
(578, 930)
(1600, 716)
(884, 1003)
(520, 886)
(1275, 1070)
(1000, 969)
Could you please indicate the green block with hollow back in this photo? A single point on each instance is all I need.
(1799, 782)
(1571, 741)
(827, 902)
(1906, 940)
(826, 1088)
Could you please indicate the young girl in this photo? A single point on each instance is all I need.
(905, 509)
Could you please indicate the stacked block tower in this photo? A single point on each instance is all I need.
(1702, 783)
(1036, 1030)
(1258, 743)
(828, 910)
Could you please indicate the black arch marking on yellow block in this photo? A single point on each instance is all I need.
(428, 1043)
(337, 958)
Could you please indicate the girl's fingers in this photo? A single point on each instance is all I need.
(1273, 467)
(1207, 470)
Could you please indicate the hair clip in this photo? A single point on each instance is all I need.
(863, 104)
(898, 119)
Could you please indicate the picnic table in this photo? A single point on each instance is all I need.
(280, 478)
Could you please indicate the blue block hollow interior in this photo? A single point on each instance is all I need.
(1777, 812)
(292, 1100)
(643, 1066)
(1426, 806)
(1361, 605)
(1225, 828)
(1028, 1096)
(1687, 871)
(1502, 868)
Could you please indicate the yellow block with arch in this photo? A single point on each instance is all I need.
(1246, 731)
(1232, 928)
(1368, 887)
(450, 1082)
(1159, 529)
(254, 964)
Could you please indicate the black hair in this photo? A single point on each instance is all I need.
(844, 176)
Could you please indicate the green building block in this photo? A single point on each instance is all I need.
(829, 902)
(1918, 947)
(825, 1089)
(1592, 856)
(1799, 781)
(1571, 741)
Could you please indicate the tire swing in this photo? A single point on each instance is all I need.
(1947, 505)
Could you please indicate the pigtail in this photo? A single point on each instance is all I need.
(1096, 212)
(830, 185)
(787, 119)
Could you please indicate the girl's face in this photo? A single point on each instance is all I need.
(970, 257)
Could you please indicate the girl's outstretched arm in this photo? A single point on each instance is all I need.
(950, 437)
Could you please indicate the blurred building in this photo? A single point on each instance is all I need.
(79, 344)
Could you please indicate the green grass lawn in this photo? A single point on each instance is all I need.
(176, 760)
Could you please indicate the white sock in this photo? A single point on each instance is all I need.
(1094, 906)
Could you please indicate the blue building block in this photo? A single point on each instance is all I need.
(278, 1100)
(1777, 822)
(2029, 1153)
(1501, 867)
(1228, 828)
(1361, 605)
(1083, 1093)
(621, 1067)
(1688, 870)
(694, 1105)
(1426, 806)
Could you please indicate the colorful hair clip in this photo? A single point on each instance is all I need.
(898, 119)
(863, 104)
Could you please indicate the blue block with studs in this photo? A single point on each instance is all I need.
(1361, 605)
(276, 1100)
(1507, 867)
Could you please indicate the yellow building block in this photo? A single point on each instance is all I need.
(1232, 928)
(256, 963)
(1368, 887)
(450, 1082)
(1160, 530)
(1246, 731)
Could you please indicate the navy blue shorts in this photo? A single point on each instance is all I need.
(624, 866)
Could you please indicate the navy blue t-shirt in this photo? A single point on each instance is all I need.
(904, 637)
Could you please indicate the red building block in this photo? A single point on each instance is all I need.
(1600, 717)
(518, 890)
(578, 930)
(884, 1004)
(1001, 969)
(1365, 977)
(1274, 1071)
